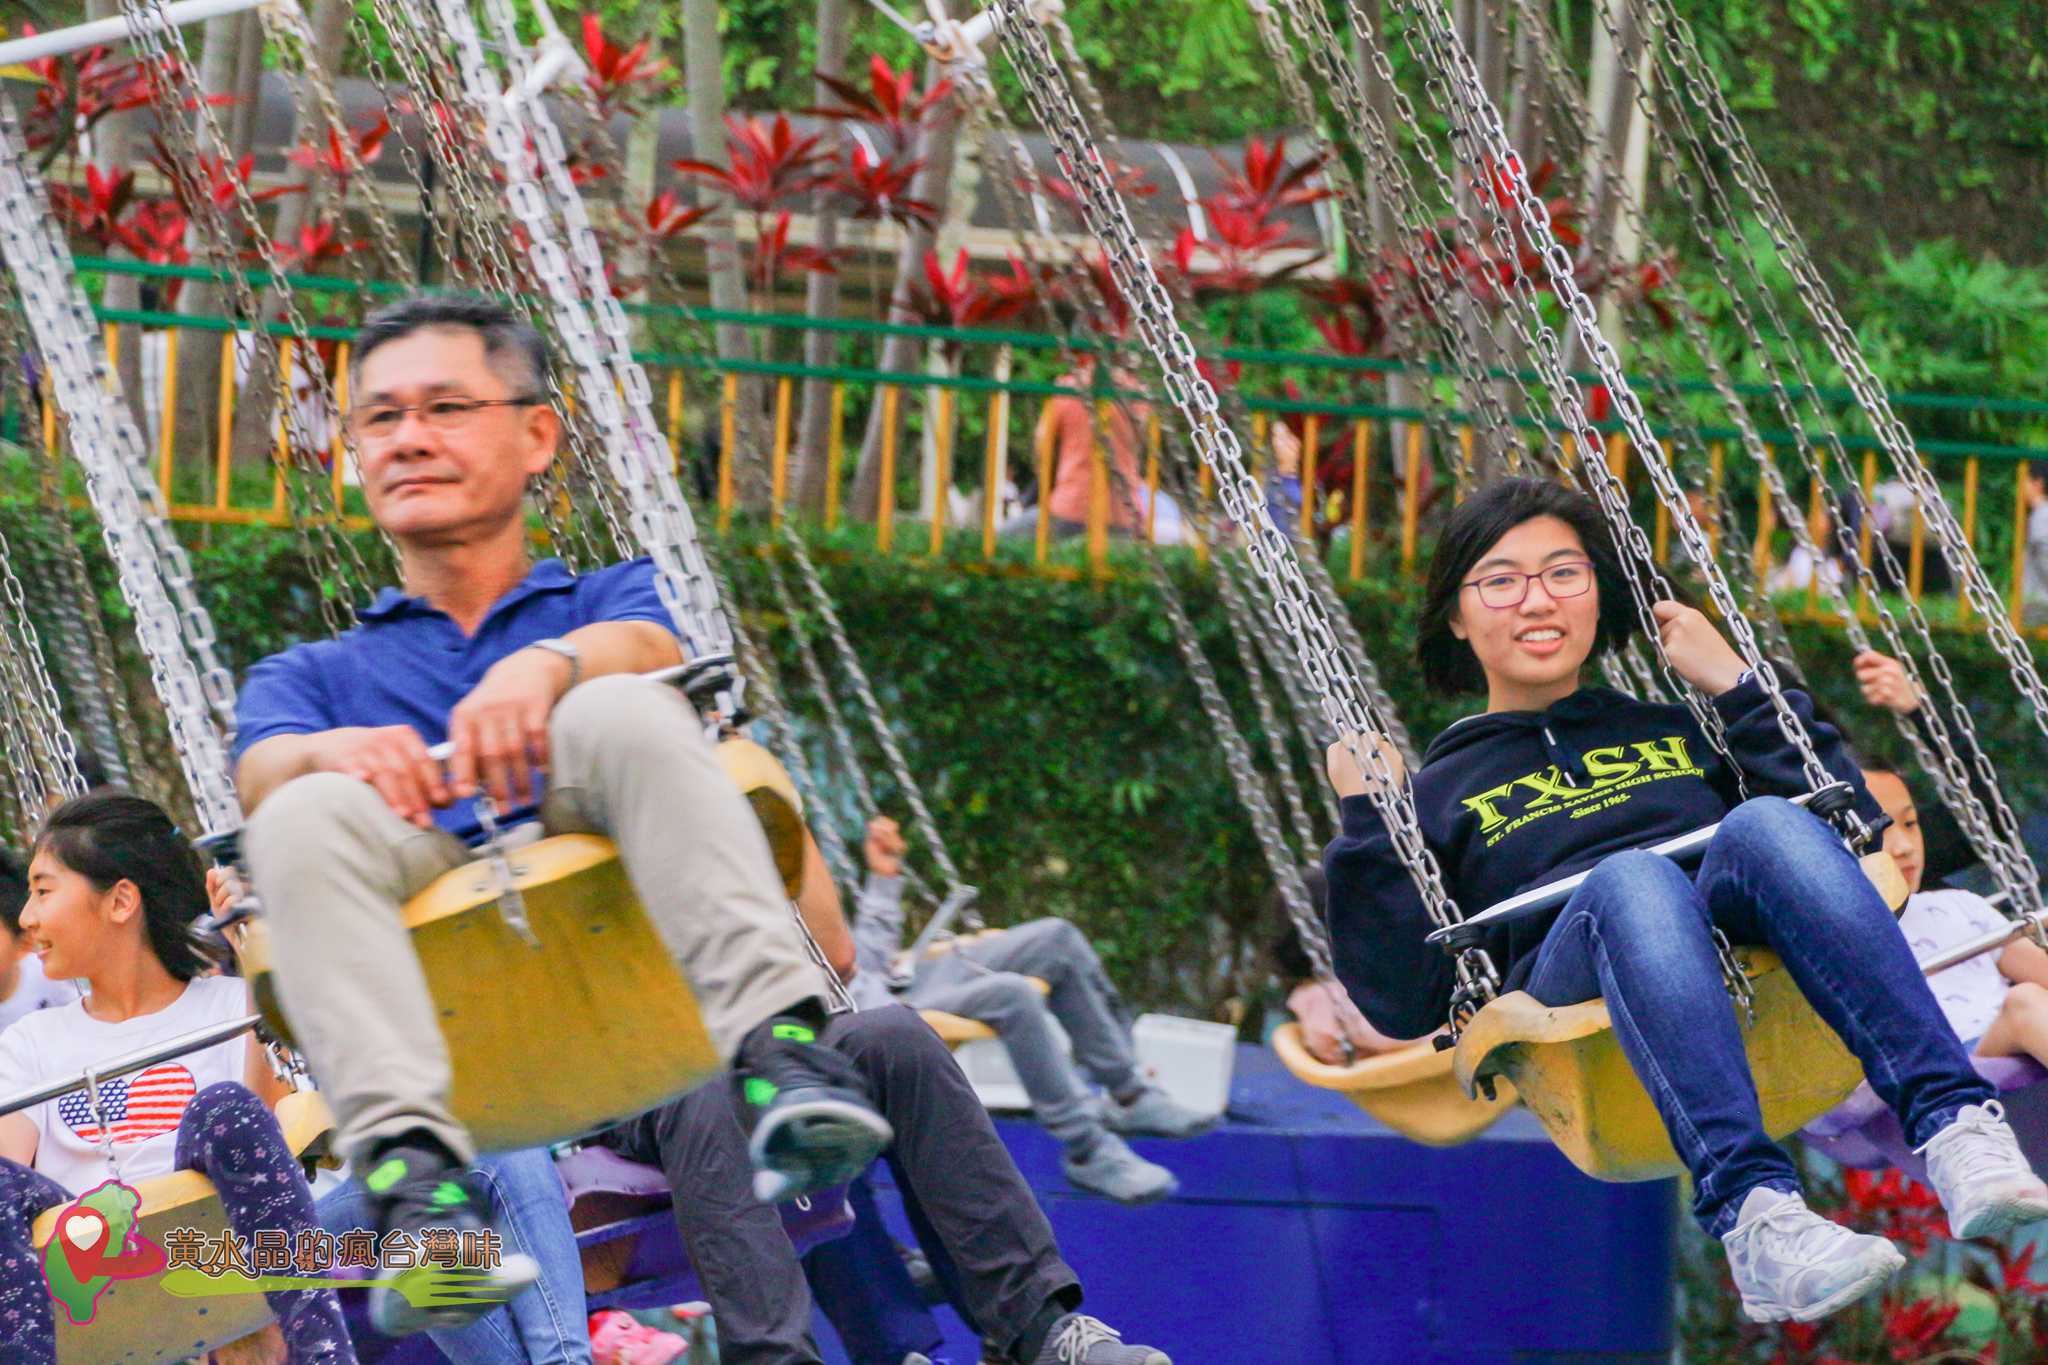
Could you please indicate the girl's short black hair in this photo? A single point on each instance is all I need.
(1476, 526)
(109, 837)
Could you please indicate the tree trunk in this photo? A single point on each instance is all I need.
(221, 71)
(113, 151)
(1618, 129)
(703, 75)
(821, 295)
(264, 385)
(899, 354)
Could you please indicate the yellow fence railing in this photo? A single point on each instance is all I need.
(204, 478)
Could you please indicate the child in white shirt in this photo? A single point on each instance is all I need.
(23, 987)
(1996, 1001)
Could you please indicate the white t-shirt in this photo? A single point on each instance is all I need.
(1970, 993)
(144, 1107)
(33, 991)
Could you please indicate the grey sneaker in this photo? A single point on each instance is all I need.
(1077, 1339)
(1153, 1114)
(1976, 1166)
(1113, 1169)
(1789, 1262)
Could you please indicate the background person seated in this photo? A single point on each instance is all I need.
(1997, 1001)
(989, 979)
(23, 987)
(1323, 1009)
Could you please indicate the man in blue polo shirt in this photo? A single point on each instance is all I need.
(533, 675)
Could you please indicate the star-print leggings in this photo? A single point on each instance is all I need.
(228, 1135)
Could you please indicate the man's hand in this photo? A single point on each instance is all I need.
(1696, 648)
(391, 758)
(500, 730)
(1348, 778)
(1884, 683)
(883, 847)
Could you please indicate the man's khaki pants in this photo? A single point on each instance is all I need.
(332, 864)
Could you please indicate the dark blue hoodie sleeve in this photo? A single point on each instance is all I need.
(1769, 762)
(1377, 922)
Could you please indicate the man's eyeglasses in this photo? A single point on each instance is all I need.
(380, 423)
(1509, 589)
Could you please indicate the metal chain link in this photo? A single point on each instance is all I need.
(1282, 862)
(1482, 143)
(1684, 58)
(1344, 701)
(154, 570)
(591, 326)
(2003, 852)
(98, 692)
(175, 94)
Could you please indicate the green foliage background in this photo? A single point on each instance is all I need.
(1057, 735)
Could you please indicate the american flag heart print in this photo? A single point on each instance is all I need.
(137, 1107)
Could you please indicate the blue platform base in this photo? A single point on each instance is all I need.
(1306, 1234)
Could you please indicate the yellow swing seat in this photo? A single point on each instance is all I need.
(1568, 1069)
(137, 1323)
(1411, 1090)
(597, 1023)
(955, 1029)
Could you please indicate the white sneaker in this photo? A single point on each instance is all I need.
(1789, 1262)
(1976, 1166)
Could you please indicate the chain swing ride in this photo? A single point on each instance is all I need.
(1563, 1064)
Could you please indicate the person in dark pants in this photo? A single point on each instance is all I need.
(866, 1292)
(1020, 1295)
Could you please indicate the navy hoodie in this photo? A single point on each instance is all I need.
(1509, 800)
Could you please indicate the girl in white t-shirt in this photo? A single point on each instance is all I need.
(1996, 1001)
(113, 891)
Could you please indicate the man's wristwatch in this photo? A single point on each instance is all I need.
(567, 651)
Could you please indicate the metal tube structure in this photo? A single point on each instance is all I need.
(109, 31)
(132, 1062)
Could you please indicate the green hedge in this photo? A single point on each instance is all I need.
(1058, 738)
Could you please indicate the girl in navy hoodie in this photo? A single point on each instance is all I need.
(1555, 778)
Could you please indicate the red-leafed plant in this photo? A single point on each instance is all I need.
(952, 297)
(94, 213)
(774, 256)
(769, 164)
(74, 92)
(1236, 256)
(888, 103)
(314, 243)
(332, 158)
(666, 216)
(158, 232)
(621, 80)
(210, 183)
(879, 190)
(1128, 181)
(1263, 181)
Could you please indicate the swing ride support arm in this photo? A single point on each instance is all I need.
(116, 30)
(139, 1060)
(1550, 895)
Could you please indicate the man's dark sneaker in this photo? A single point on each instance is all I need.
(814, 1125)
(418, 1192)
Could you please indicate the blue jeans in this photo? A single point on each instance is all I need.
(1639, 932)
(548, 1324)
